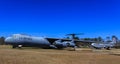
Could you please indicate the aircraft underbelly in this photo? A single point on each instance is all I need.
(33, 42)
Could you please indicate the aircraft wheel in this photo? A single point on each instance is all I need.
(108, 48)
(14, 46)
(68, 44)
(19, 46)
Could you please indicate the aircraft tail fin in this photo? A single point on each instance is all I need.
(114, 41)
(72, 41)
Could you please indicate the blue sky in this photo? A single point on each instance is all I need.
(55, 18)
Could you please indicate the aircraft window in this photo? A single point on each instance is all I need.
(14, 36)
(24, 38)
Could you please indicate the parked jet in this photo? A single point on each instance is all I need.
(106, 45)
(60, 44)
(20, 40)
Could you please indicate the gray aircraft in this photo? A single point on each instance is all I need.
(20, 40)
(106, 45)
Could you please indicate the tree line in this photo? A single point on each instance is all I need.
(97, 39)
(2, 40)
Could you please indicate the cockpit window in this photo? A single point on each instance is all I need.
(16, 35)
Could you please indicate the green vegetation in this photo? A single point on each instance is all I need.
(2, 40)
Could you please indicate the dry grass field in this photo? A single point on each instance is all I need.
(51, 56)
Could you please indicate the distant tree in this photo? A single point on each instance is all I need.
(86, 38)
(108, 39)
(76, 38)
(95, 39)
(2, 40)
(99, 39)
(115, 37)
(67, 37)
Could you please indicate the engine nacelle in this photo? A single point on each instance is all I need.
(60, 44)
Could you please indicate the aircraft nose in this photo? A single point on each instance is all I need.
(93, 44)
(7, 39)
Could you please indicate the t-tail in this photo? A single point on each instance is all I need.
(114, 40)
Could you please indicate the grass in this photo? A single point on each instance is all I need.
(51, 56)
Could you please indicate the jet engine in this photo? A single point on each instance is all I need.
(60, 44)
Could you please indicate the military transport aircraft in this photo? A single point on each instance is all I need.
(20, 40)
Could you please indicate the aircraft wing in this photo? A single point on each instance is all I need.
(85, 41)
(54, 39)
(51, 40)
